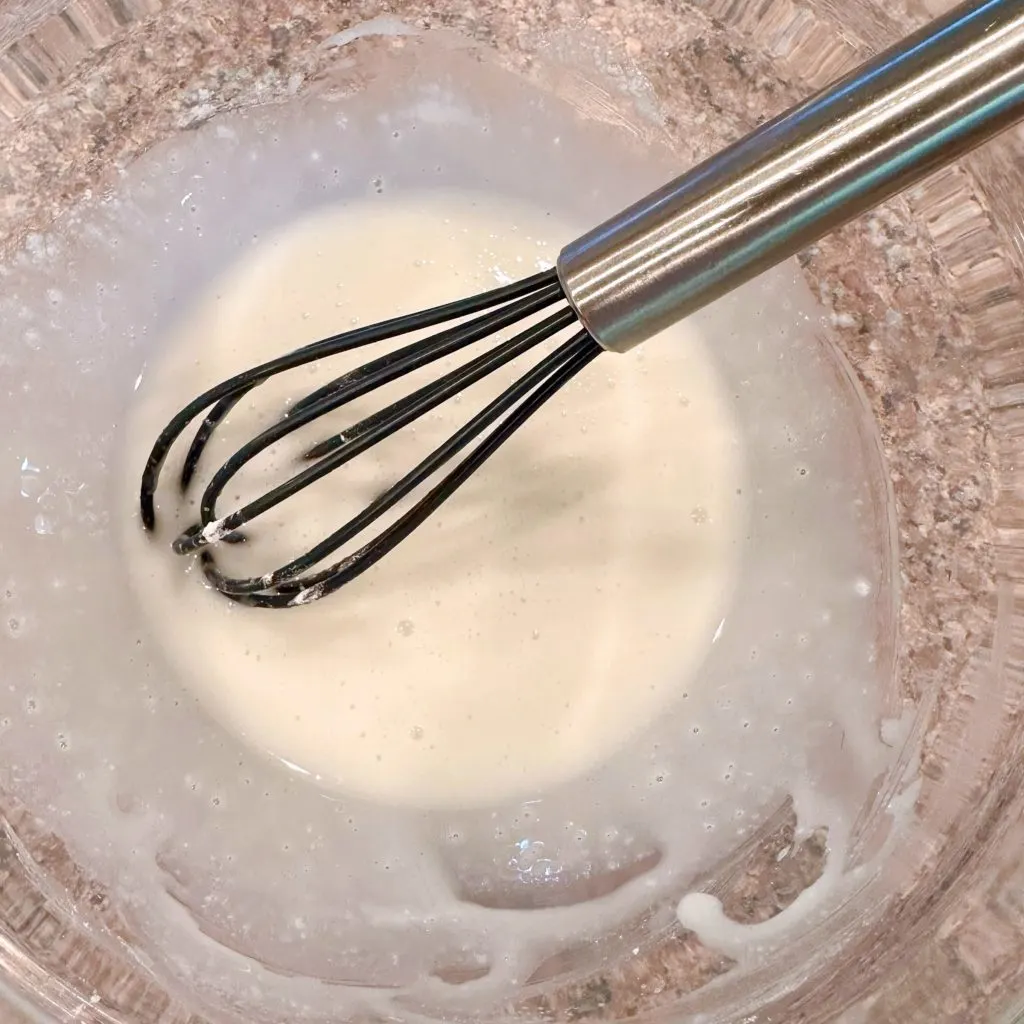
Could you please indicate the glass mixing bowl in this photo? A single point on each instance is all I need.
(926, 301)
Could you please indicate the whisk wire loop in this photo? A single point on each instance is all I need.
(300, 581)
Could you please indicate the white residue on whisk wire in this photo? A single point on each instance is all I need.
(307, 596)
(214, 532)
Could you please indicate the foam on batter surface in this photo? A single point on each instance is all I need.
(553, 607)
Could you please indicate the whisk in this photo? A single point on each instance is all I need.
(919, 105)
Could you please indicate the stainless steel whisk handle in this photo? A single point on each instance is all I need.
(914, 108)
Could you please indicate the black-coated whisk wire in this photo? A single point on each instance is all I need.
(299, 581)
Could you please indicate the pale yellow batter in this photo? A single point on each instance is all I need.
(561, 600)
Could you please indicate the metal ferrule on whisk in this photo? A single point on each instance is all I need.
(926, 101)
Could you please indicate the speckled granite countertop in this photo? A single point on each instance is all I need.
(87, 85)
